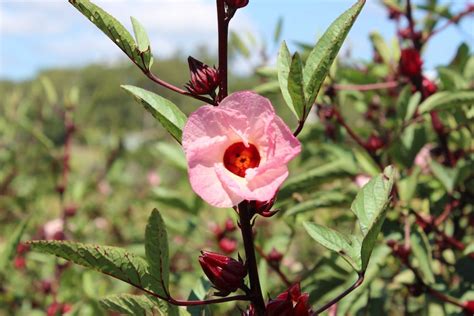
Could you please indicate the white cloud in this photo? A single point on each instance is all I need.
(54, 30)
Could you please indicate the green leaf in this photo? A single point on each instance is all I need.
(9, 249)
(322, 56)
(236, 43)
(452, 80)
(278, 28)
(334, 241)
(156, 247)
(370, 208)
(165, 111)
(283, 66)
(381, 47)
(267, 87)
(113, 261)
(422, 251)
(314, 177)
(372, 199)
(173, 154)
(447, 176)
(114, 30)
(128, 304)
(446, 100)
(142, 41)
(326, 199)
(295, 87)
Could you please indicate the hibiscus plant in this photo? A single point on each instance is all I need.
(243, 159)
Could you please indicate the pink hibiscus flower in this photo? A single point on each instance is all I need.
(238, 150)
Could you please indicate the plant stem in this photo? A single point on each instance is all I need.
(357, 283)
(246, 214)
(171, 87)
(223, 31)
(275, 268)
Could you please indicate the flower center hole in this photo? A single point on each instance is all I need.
(238, 158)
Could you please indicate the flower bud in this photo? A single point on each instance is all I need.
(274, 257)
(410, 62)
(204, 79)
(289, 303)
(236, 4)
(229, 225)
(374, 143)
(225, 273)
(469, 307)
(429, 86)
(227, 245)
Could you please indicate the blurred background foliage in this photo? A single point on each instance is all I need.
(123, 164)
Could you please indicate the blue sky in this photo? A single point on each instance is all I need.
(39, 34)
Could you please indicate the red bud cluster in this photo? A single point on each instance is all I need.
(225, 273)
(226, 242)
(56, 309)
(204, 79)
(410, 63)
(289, 303)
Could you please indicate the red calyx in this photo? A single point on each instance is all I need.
(225, 273)
(289, 303)
(469, 307)
(410, 63)
(204, 79)
(274, 257)
(236, 4)
(429, 86)
(374, 143)
(227, 245)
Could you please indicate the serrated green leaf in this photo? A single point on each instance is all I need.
(113, 261)
(370, 208)
(156, 247)
(334, 241)
(372, 199)
(113, 29)
(322, 56)
(283, 66)
(446, 100)
(295, 87)
(165, 111)
(9, 249)
(421, 249)
(129, 304)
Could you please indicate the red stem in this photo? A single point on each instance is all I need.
(223, 31)
(245, 215)
(354, 286)
(275, 268)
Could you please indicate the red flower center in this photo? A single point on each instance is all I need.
(238, 158)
